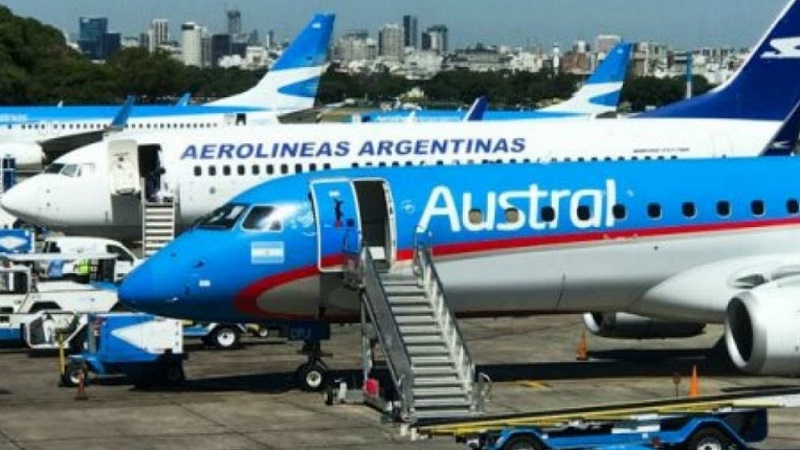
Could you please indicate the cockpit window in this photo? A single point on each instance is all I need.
(70, 170)
(263, 218)
(54, 168)
(223, 218)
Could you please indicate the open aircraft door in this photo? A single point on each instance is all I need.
(338, 221)
(123, 166)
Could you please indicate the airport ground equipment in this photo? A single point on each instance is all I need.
(35, 312)
(146, 348)
(728, 422)
(222, 336)
(158, 224)
(430, 365)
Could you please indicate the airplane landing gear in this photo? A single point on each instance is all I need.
(313, 374)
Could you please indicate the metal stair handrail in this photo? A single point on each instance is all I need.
(425, 269)
(380, 311)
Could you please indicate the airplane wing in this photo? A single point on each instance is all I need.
(311, 115)
(55, 147)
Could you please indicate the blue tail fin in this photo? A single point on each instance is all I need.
(766, 86)
(477, 109)
(785, 140)
(601, 92)
(121, 118)
(292, 82)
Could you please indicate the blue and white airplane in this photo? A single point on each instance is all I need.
(599, 95)
(28, 132)
(689, 241)
(88, 192)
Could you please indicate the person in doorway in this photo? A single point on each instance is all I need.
(49, 329)
(153, 184)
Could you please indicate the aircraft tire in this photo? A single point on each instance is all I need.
(311, 377)
(225, 337)
(523, 442)
(710, 439)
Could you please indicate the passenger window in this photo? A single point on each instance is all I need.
(261, 218)
(284, 169)
(354, 165)
(757, 206)
(792, 206)
(212, 171)
(382, 164)
(723, 209)
(298, 168)
(689, 210)
(312, 167)
(395, 163)
(226, 170)
(654, 210)
(270, 169)
(475, 216)
(326, 166)
(240, 169)
(619, 212)
(256, 169)
(548, 214)
(197, 171)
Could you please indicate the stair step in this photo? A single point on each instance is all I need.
(409, 300)
(452, 402)
(412, 310)
(419, 329)
(396, 290)
(437, 380)
(444, 412)
(448, 392)
(431, 360)
(432, 338)
(428, 349)
(418, 320)
(432, 369)
(389, 280)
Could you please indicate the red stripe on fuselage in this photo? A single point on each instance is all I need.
(247, 300)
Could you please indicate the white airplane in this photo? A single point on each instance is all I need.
(96, 189)
(29, 133)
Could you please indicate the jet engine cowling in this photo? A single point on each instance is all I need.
(630, 326)
(762, 330)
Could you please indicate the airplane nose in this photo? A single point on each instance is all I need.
(19, 202)
(150, 288)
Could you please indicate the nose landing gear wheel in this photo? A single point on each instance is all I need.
(311, 376)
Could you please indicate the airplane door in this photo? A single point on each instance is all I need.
(338, 221)
(123, 166)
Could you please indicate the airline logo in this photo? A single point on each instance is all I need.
(514, 210)
(382, 147)
(783, 48)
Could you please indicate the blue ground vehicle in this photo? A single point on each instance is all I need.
(146, 348)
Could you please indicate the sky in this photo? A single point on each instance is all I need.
(682, 24)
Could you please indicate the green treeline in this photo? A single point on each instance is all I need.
(38, 67)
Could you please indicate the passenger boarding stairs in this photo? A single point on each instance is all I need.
(430, 365)
(158, 225)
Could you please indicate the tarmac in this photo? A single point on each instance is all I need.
(245, 399)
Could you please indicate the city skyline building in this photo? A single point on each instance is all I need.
(390, 41)
(160, 29)
(435, 39)
(234, 23)
(94, 40)
(410, 31)
(192, 44)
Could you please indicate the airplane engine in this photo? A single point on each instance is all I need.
(29, 156)
(762, 330)
(618, 325)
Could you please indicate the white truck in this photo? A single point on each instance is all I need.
(80, 245)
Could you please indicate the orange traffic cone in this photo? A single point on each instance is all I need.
(694, 384)
(582, 352)
(81, 394)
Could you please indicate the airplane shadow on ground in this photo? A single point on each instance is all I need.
(606, 364)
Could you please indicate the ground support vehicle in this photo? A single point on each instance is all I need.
(713, 423)
(146, 348)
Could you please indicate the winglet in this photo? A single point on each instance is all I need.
(291, 83)
(785, 140)
(477, 109)
(602, 90)
(184, 100)
(121, 119)
(766, 86)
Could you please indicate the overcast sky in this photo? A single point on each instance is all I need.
(679, 23)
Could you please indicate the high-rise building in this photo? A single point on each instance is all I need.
(220, 46)
(192, 44)
(91, 34)
(205, 51)
(390, 41)
(435, 39)
(234, 23)
(605, 42)
(355, 46)
(410, 31)
(160, 32)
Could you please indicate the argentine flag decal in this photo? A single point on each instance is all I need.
(266, 253)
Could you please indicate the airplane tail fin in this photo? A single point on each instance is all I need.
(784, 143)
(766, 86)
(292, 81)
(601, 92)
(184, 100)
(477, 109)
